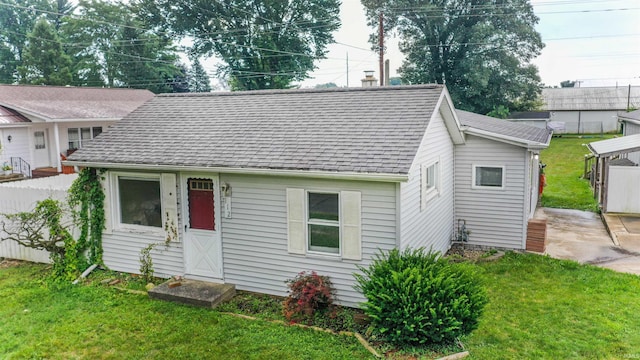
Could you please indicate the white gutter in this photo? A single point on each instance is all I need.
(531, 145)
(247, 171)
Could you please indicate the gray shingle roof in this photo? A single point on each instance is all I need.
(591, 98)
(633, 115)
(364, 130)
(77, 103)
(523, 132)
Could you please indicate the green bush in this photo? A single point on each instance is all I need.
(416, 297)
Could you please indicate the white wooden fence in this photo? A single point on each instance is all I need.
(21, 196)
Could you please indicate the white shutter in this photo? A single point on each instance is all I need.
(296, 234)
(107, 184)
(350, 212)
(169, 200)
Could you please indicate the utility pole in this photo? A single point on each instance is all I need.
(381, 46)
(347, 69)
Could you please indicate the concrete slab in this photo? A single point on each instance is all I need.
(631, 223)
(193, 292)
(582, 236)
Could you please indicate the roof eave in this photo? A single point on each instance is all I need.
(531, 145)
(378, 177)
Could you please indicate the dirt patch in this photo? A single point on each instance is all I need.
(7, 263)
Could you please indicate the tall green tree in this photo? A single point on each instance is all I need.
(17, 19)
(480, 49)
(264, 44)
(44, 61)
(198, 78)
(112, 45)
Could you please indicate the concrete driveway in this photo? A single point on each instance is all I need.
(581, 236)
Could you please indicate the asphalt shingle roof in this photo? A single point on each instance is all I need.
(364, 130)
(633, 115)
(503, 127)
(76, 103)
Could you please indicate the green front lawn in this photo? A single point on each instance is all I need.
(96, 322)
(542, 308)
(565, 167)
(539, 308)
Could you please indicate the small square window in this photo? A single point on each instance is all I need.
(140, 202)
(323, 223)
(488, 176)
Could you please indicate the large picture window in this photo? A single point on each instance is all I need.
(488, 177)
(323, 222)
(140, 201)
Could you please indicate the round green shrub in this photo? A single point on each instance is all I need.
(416, 297)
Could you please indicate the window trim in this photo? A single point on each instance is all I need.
(486, 187)
(309, 221)
(116, 213)
(79, 132)
(426, 194)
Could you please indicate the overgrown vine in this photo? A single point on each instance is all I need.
(86, 199)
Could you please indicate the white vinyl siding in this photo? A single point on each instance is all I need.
(431, 228)
(632, 129)
(17, 147)
(255, 248)
(122, 246)
(495, 218)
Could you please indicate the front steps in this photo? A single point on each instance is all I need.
(193, 292)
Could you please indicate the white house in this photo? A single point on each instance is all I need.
(630, 126)
(261, 185)
(589, 110)
(39, 123)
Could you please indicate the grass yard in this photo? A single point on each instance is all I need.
(565, 166)
(542, 308)
(96, 322)
(539, 308)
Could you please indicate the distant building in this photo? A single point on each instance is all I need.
(590, 110)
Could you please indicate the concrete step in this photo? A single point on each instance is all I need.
(193, 292)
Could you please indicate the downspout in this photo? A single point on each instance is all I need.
(56, 134)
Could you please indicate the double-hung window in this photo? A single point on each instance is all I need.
(430, 183)
(79, 136)
(323, 222)
(488, 177)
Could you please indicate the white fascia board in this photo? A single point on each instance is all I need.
(632, 121)
(450, 118)
(531, 145)
(246, 171)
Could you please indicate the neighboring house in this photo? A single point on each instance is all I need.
(507, 154)
(630, 126)
(539, 119)
(590, 110)
(262, 185)
(39, 123)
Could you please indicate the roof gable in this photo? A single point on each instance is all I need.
(59, 103)
(372, 130)
(503, 130)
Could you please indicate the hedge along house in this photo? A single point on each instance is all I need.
(262, 185)
(40, 123)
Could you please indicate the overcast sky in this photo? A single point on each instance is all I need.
(596, 42)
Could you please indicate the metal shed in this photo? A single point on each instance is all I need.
(615, 177)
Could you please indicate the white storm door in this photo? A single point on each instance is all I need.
(202, 244)
(41, 149)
